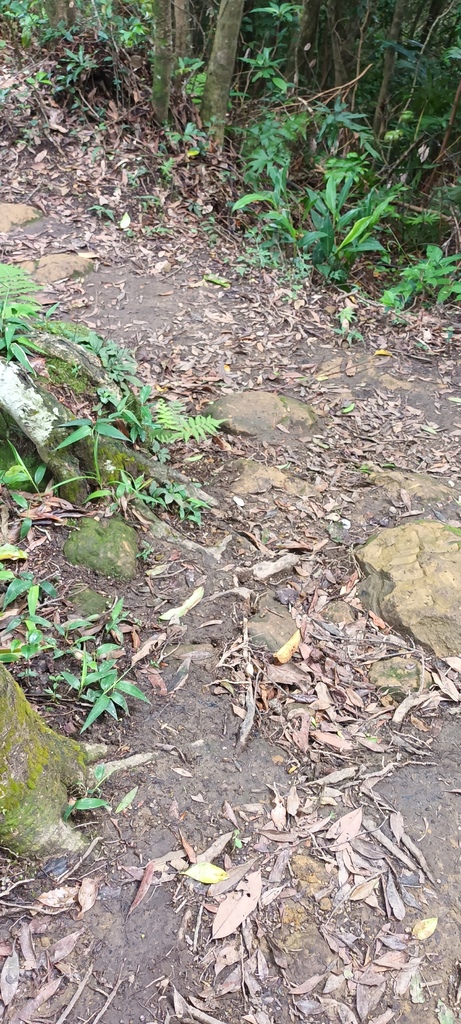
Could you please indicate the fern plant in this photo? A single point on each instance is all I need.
(170, 424)
(15, 283)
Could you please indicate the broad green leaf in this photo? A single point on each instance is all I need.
(76, 435)
(253, 197)
(16, 588)
(206, 873)
(107, 430)
(330, 195)
(127, 800)
(87, 803)
(9, 552)
(14, 476)
(99, 707)
(361, 225)
(131, 690)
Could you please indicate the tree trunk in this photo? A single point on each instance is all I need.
(335, 18)
(37, 770)
(389, 63)
(163, 58)
(60, 12)
(302, 44)
(221, 67)
(181, 28)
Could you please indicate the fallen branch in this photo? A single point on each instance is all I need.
(76, 996)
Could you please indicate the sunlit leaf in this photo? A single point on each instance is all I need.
(423, 929)
(206, 873)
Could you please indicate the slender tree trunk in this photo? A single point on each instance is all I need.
(301, 50)
(181, 28)
(337, 49)
(60, 12)
(221, 67)
(163, 58)
(38, 768)
(389, 63)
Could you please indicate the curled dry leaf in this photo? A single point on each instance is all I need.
(285, 653)
(331, 739)
(237, 907)
(87, 896)
(345, 828)
(293, 801)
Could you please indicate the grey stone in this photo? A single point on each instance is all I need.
(272, 626)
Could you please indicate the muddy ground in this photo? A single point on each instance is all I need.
(382, 399)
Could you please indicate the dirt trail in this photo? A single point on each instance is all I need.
(197, 341)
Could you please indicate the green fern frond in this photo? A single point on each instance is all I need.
(171, 424)
(15, 283)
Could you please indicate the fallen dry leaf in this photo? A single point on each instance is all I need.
(64, 946)
(237, 906)
(9, 978)
(285, 653)
(61, 898)
(87, 896)
(423, 929)
(331, 739)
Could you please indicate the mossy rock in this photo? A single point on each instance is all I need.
(108, 547)
(89, 602)
(399, 677)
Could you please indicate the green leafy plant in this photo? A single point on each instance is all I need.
(100, 684)
(15, 328)
(175, 497)
(436, 278)
(35, 641)
(95, 430)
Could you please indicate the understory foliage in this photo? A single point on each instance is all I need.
(342, 135)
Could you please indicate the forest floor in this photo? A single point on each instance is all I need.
(328, 931)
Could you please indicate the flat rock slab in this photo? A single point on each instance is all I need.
(15, 215)
(414, 582)
(421, 486)
(57, 267)
(254, 478)
(259, 413)
(109, 548)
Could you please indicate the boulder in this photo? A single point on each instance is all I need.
(399, 677)
(57, 267)
(259, 413)
(255, 478)
(89, 602)
(413, 581)
(421, 486)
(14, 215)
(109, 547)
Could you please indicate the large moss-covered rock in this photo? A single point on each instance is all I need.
(108, 547)
(259, 413)
(413, 581)
(38, 769)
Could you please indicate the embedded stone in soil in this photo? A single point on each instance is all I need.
(254, 478)
(339, 612)
(89, 602)
(414, 582)
(398, 677)
(109, 548)
(259, 413)
(422, 486)
(272, 626)
(57, 267)
(15, 215)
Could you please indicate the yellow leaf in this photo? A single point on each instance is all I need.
(285, 653)
(206, 873)
(9, 552)
(191, 602)
(382, 352)
(423, 929)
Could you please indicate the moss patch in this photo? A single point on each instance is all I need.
(62, 373)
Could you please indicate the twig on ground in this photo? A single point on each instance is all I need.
(247, 723)
(109, 999)
(76, 996)
(76, 866)
(419, 857)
